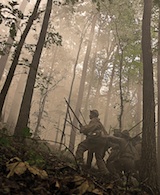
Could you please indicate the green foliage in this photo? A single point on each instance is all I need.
(18, 13)
(71, 1)
(30, 48)
(157, 2)
(4, 141)
(3, 47)
(53, 38)
(35, 159)
(13, 30)
(26, 132)
(9, 14)
(25, 62)
(1, 20)
(100, 3)
(13, 3)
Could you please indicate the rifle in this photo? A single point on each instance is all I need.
(135, 125)
(72, 124)
(82, 116)
(73, 112)
(136, 135)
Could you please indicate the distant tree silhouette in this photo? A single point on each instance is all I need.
(23, 117)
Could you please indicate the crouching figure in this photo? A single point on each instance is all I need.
(122, 155)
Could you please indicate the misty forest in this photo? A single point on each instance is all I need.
(58, 61)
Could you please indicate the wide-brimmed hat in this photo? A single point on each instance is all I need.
(95, 112)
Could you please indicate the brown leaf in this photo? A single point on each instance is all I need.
(97, 191)
(110, 186)
(20, 167)
(17, 167)
(81, 189)
(41, 173)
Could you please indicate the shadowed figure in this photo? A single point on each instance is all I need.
(122, 157)
(94, 143)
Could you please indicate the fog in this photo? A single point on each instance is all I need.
(57, 65)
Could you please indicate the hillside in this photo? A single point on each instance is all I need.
(34, 167)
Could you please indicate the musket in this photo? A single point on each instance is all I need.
(135, 125)
(136, 135)
(82, 116)
(73, 112)
(72, 124)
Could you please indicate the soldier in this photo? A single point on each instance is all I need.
(95, 141)
(123, 158)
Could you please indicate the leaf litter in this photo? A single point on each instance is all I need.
(50, 173)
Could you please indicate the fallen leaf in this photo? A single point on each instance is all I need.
(83, 188)
(20, 167)
(110, 186)
(41, 173)
(97, 191)
(57, 185)
(17, 167)
(78, 180)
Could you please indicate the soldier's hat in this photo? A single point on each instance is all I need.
(95, 112)
(117, 132)
(125, 133)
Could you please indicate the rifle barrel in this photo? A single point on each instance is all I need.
(82, 116)
(73, 111)
(72, 125)
(135, 125)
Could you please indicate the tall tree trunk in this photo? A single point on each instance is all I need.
(93, 62)
(149, 163)
(72, 83)
(42, 103)
(16, 101)
(99, 83)
(4, 58)
(138, 116)
(42, 100)
(109, 97)
(121, 91)
(23, 117)
(40, 115)
(57, 129)
(10, 75)
(98, 88)
(158, 77)
(82, 85)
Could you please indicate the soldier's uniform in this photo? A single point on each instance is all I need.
(95, 141)
(124, 158)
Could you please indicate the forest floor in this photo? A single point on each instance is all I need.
(30, 167)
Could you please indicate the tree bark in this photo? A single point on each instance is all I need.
(149, 163)
(109, 97)
(16, 101)
(158, 78)
(10, 75)
(23, 117)
(121, 91)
